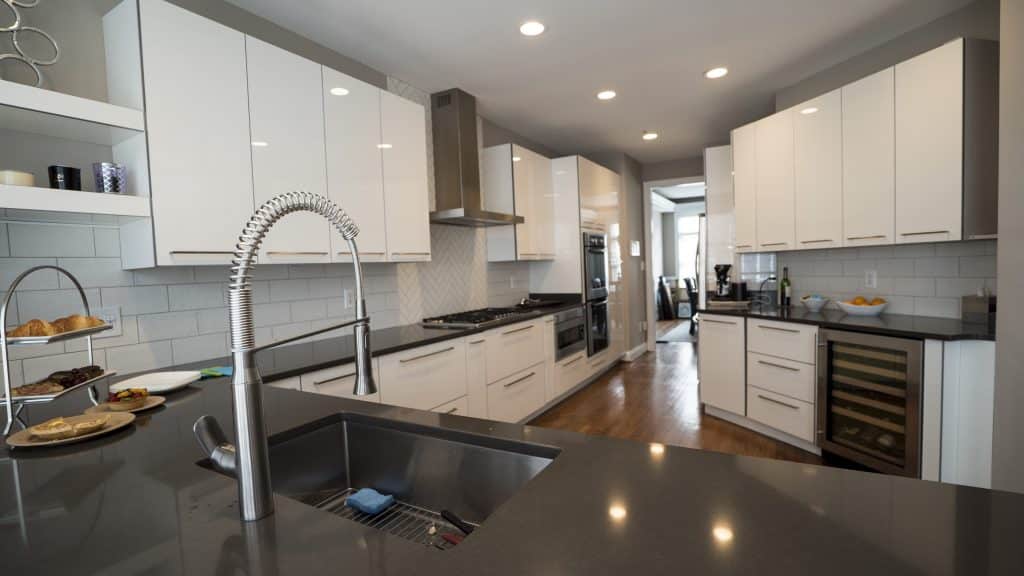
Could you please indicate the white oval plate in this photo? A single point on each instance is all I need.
(158, 382)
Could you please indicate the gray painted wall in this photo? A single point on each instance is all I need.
(669, 244)
(494, 135)
(1007, 459)
(979, 19)
(669, 169)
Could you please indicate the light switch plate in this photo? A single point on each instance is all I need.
(634, 248)
(111, 315)
(871, 278)
(346, 297)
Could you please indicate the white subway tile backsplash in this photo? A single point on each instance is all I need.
(895, 267)
(857, 267)
(210, 274)
(137, 300)
(288, 290)
(129, 335)
(50, 240)
(94, 272)
(309, 310)
(936, 267)
(270, 272)
(35, 369)
(11, 268)
(914, 287)
(167, 326)
(938, 307)
(957, 287)
(140, 357)
(212, 320)
(306, 271)
(107, 242)
(198, 348)
(52, 304)
(5, 247)
(196, 296)
(978, 266)
(332, 287)
(289, 330)
(271, 314)
(914, 250)
(166, 275)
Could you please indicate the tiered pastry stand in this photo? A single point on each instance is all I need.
(14, 405)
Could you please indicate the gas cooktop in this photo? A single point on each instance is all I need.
(474, 318)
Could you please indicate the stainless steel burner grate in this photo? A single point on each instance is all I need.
(401, 519)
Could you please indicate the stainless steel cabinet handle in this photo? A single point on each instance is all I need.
(296, 253)
(335, 379)
(477, 341)
(717, 321)
(202, 252)
(361, 253)
(524, 328)
(575, 360)
(773, 365)
(452, 410)
(790, 330)
(982, 236)
(924, 233)
(410, 253)
(427, 355)
(775, 244)
(816, 241)
(744, 246)
(865, 237)
(774, 401)
(518, 380)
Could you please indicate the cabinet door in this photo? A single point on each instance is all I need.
(744, 180)
(721, 221)
(512, 348)
(775, 210)
(287, 127)
(197, 127)
(550, 337)
(354, 174)
(868, 160)
(929, 145)
(543, 206)
(424, 377)
(523, 195)
(340, 381)
(517, 396)
(818, 171)
(404, 152)
(722, 355)
(476, 375)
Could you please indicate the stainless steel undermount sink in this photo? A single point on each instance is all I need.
(426, 469)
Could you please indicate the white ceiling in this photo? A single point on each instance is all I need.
(652, 52)
(681, 191)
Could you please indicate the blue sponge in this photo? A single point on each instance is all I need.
(369, 501)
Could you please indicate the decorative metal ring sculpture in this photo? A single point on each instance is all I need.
(16, 28)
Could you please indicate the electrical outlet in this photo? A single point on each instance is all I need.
(111, 315)
(346, 297)
(871, 278)
(511, 281)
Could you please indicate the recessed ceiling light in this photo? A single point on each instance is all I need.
(657, 449)
(531, 28)
(606, 95)
(617, 512)
(650, 136)
(516, 158)
(809, 110)
(259, 144)
(339, 91)
(723, 534)
(384, 146)
(716, 72)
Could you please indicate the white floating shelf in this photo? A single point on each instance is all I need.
(50, 200)
(38, 111)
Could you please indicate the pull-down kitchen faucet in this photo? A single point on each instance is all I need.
(248, 460)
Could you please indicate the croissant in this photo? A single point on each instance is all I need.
(34, 327)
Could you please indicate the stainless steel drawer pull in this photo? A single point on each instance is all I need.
(717, 321)
(816, 241)
(296, 253)
(789, 330)
(452, 410)
(575, 360)
(744, 246)
(775, 244)
(773, 365)
(774, 401)
(523, 329)
(428, 355)
(203, 252)
(924, 233)
(477, 341)
(983, 236)
(361, 253)
(865, 237)
(335, 379)
(518, 380)
(410, 253)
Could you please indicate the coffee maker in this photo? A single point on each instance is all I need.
(723, 288)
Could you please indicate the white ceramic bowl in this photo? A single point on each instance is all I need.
(814, 303)
(854, 310)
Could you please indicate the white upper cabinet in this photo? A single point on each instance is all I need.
(775, 219)
(818, 172)
(929, 145)
(510, 171)
(354, 172)
(542, 201)
(407, 206)
(197, 126)
(869, 160)
(744, 179)
(287, 129)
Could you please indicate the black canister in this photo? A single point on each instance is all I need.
(65, 178)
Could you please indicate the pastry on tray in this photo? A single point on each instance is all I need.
(125, 400)
(58, 381)
(37, 327)
(56, 429)
(90, 425)
(37, 389)
(76, 322)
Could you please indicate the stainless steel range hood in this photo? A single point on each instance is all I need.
(459, 199)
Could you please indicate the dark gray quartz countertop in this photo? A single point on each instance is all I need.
(900, 325)
(136, 502)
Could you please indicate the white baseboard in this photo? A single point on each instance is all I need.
(635, 353)
(762, 429)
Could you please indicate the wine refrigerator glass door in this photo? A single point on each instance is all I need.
(869, 400)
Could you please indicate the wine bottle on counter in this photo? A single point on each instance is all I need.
(785, 289)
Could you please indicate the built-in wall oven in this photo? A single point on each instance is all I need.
(869, 400)
(570, 332)
(595, 286)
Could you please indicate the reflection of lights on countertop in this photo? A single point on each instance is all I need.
(722, 533)
(617, 512)
(657, 449)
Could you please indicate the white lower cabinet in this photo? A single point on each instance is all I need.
(721, 357)
(424, 377)
(783, 413)
(339, 381)
(512, 348)
(514, 398)
(783, 339)
(568, 373)
(782, 376)
(458, 406)
(476, 375)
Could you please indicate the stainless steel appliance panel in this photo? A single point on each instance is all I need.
(595, 266)
(570, 332)
(597, 326)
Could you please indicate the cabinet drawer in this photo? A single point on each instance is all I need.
(339, 381)
(721, 363)
(458, 406)
(512, 349)
(516, 397)
(424, 377)
(287, 384)
(570, 372)
(782, 339)
(786, 377)
(783, 413)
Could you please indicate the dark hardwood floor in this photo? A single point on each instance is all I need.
(654, 399)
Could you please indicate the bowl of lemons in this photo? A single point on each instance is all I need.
(861, 306)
